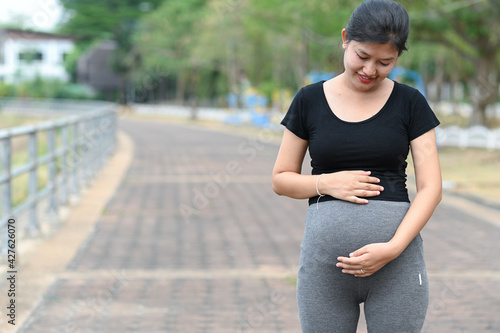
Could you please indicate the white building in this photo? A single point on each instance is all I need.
(26, 54)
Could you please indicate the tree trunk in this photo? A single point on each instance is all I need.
(454, 82)
(304, 54)
(439, 77)
(195, 79)
(180, 91)
(232, 70)
(162, 90)
(478, 116)
(485, 91)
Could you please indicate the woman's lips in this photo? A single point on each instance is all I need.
(365, 79)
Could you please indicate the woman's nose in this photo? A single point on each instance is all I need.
(370, 69)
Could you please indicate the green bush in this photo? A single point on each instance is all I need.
(7, 90)
(46, 88)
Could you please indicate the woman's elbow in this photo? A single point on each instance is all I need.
(440, 194)
(436, 192)
(432, 191)
(276, 186)
(277, 190)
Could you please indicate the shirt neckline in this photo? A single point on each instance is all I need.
(330, 111)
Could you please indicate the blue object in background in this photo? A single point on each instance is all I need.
(412, 75)
(232, 101)
(316, 76)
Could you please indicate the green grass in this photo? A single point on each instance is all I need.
(463, 122)
(12, 120)
(292, 279)
(472, 171)
(20, 156)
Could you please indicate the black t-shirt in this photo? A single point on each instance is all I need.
(379, 144)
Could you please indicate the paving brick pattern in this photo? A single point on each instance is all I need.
(195, 240)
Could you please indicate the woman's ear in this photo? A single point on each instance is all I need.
(344, 39)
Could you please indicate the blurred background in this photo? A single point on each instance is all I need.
(242, 61)
(90, 70)
(215, 52)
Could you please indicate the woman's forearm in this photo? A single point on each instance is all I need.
(353, 186)
(295, 185)
(429, 190)
(417, 217)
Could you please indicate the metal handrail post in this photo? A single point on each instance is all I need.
(75, 158)
(85, 150)
(64, 189)
(33, 182)
(51, 143)
(87, 155)
(96, 159)
(111, 129)
(6, 189)
(100, 141)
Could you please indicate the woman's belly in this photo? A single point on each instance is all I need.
(337, 228)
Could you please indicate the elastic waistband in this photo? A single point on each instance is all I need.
(315, 200)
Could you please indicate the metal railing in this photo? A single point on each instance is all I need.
(77, 145)
(48, 107)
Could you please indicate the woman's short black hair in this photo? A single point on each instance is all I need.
(380, 21)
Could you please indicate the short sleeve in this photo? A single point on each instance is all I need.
(422, 118)
(295, 118)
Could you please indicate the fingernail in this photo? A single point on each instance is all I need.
(351, 254)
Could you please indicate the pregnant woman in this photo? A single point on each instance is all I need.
(362, 240)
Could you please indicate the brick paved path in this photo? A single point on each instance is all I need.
(195, 240)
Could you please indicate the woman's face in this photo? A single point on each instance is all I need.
(368, 64)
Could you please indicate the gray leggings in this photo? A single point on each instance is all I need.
(395, 298)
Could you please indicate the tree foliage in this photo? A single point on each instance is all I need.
(207, 48)
(98, 19)
(268, 44)
(93, 20)
(470, 29)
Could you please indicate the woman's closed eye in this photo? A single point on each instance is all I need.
(365, 58)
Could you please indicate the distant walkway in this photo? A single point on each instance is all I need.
(194, 240)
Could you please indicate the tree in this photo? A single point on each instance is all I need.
(470, 29)
(94, 20)
(210, 47)
(272, 44)
(165, 39)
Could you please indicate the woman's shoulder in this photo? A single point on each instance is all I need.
(312, 90)
(406, 91)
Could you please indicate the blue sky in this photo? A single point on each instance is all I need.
(40, 15)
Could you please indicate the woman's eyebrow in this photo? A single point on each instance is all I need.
(367, 54)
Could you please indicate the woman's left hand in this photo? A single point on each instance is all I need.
(367, 260)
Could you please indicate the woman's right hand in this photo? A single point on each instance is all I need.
(351, 186)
